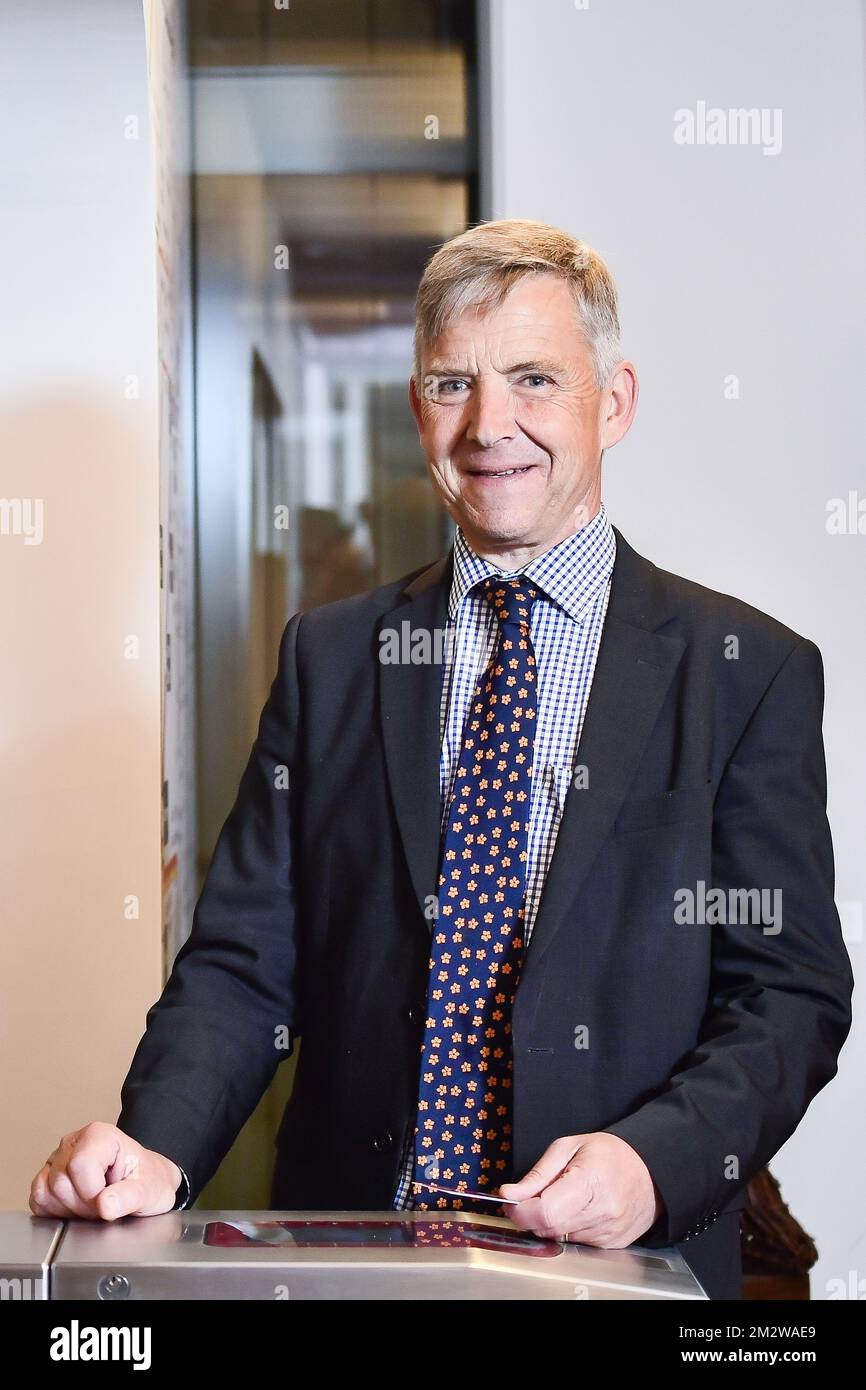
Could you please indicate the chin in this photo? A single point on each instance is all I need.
(500, 530)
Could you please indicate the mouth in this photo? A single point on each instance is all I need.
(492, 473)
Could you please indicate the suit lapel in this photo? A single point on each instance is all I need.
(635, 666)
(410, 695)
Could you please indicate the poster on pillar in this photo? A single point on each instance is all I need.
(165, 26)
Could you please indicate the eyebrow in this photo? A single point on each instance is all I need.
(537, 364)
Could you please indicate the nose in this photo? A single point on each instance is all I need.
(491, 414)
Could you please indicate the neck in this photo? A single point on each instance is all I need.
(510, 555)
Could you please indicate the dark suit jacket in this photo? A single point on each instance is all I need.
(706, 1042)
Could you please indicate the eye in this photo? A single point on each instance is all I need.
(535, 379)
(452, 385)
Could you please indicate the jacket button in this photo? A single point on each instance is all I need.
(418, 1012)
(383, 1142)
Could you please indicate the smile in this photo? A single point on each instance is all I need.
(499, 473)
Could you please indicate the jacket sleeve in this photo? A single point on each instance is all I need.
(217, 1033)
(779, 1004)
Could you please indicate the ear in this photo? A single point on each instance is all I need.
(622, 397)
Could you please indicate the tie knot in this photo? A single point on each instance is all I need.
(511, 599)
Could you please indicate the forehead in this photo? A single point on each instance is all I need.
(538, 317)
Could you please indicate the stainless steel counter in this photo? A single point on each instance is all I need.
(27, 1245)
(347, 1255)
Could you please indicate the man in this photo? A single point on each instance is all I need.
(543, 817)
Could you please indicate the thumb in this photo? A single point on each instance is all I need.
(555, 1157)
(132, 1196)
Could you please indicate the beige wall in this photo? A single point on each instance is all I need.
(80, 728)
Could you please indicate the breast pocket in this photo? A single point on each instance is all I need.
(666, 808)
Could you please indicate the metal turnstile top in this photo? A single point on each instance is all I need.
(354, 1255)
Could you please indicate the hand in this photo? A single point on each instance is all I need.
(99, 1173)
(592, 1188)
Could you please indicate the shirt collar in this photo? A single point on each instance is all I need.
(571, 573)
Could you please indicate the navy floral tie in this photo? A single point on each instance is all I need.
(463, 1133)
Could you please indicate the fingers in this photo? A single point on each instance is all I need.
(52, 1192)
(593, 1187)
(42, 1203)
(84, 1165)
(87, 1157)
(91, 1165)
(63, 1191)
(542, 1173)
(565, 1204)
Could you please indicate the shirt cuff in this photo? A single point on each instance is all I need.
(183, 1192)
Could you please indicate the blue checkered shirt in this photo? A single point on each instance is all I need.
(567, 619)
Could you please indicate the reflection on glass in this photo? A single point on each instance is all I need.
(334, 151)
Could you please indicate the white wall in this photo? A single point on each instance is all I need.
(80, 733)
(729, 261)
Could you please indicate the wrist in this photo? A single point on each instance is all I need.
(175, 1172)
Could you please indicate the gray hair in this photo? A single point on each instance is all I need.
(477, 269)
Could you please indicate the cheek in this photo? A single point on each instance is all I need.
(439, 464)
(552, 417)
(557, 426)
(441, 431)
